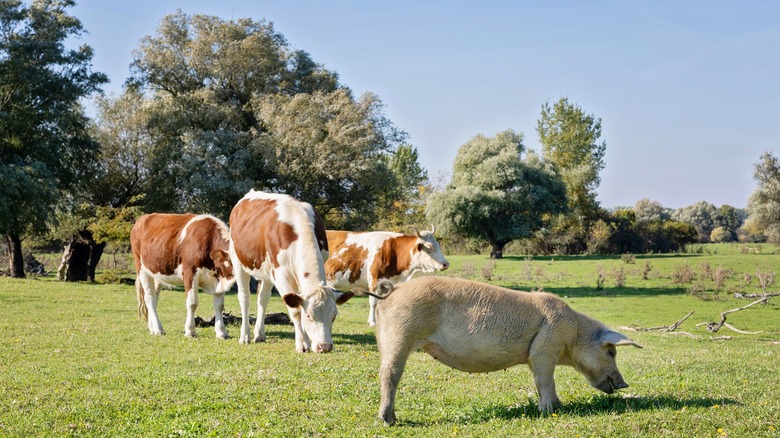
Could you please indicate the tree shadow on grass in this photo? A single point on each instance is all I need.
(608, 292)
(596, 405)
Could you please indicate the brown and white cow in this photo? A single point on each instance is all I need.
(360, 259)
(281, 241)
(181, 249)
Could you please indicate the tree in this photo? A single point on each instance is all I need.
(650, 211)
(103, 207)
(764, 202)
(702, 215)
(233, 107)
(570, 140)
(45, 147)
(495, 194)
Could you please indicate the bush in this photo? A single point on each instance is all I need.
(682, 274)
(628, 258)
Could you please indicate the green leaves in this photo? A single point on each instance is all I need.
(495, 194)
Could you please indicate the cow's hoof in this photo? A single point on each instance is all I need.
(259, 339)
(244, 339)
(223, 336)
(371, 324)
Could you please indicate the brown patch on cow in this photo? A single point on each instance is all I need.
(156, 240)
(394, 257)
(257, 232)
(344, 258)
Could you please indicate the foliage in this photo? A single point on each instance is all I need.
(231, 106)
(720, 235)
(646, 210)
(495, 194)
(43, 137)
(570, 140)
(764, 203)
(702, 215)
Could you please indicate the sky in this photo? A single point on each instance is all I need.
(688, 92)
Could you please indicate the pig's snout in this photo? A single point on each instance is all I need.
(609, 385)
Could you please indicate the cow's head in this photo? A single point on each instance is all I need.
(223, 268)
(318, 311)
(427, 255)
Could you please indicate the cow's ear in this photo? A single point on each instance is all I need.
(220, 257)
(293, 300)
(610, 337)
(342, 297)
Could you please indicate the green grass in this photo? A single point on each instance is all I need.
(75, 360)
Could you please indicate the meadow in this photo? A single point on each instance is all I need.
(75, 360)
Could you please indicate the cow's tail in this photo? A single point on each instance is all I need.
(383, 290)
(143, 312)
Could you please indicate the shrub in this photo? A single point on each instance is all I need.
(646, 270)
(620, 277)
(468, 270)
(682, 274)
(628, 258)
(487, 269)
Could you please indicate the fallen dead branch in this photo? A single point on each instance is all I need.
(278, 318)
(714, 327)
(720, 338)
(663, 328)
(739, 295)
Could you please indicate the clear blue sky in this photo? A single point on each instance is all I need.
(688, 91)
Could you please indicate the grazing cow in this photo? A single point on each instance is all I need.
(478, 328)
(281, 241)
(181, 249)
(360, 259)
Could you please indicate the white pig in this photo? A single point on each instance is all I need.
(478, 328)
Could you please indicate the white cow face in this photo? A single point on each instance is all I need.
(428, 256)
(318, 311)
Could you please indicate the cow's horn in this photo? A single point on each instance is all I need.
(433, 229)
(417, 231)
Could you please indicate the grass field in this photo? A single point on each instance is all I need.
(75, 360)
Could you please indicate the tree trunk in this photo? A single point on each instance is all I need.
(96, 251)
(15, 255)
(80, 258)
(496, 250)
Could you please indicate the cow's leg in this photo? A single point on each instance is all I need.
(219, 323)
(302, 343)
(372, 310)
(151, 294)
(242, 281)
(263, 295)
(542, 359)
(191, 289)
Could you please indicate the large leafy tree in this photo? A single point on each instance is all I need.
(233, 107)
(570, 139)
(764, 203)
(496, 194)
(44, 141)
(103, 206)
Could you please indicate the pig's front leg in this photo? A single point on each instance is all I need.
(542, 361)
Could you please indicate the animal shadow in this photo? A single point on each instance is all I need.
(598, 404)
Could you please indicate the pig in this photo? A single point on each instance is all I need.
(478, 328)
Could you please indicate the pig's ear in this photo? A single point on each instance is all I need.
(608, 337)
